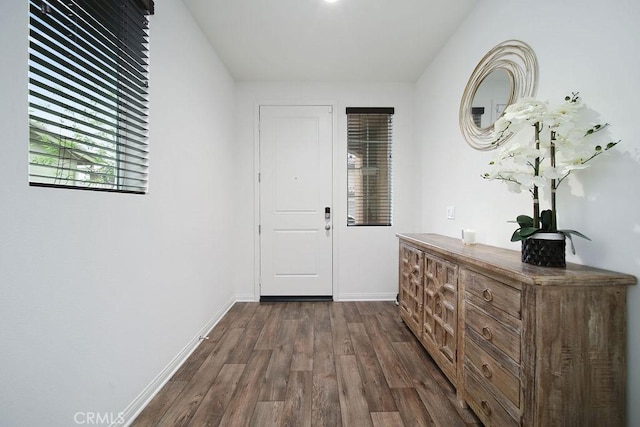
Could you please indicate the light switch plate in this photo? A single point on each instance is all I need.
(451, 212)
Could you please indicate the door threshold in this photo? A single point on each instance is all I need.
(294, 298)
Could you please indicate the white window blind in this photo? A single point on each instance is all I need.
(88, 101)
(369, 155)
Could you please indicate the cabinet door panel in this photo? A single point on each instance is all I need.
(440, 312)
(411, 287)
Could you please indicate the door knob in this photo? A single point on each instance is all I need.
(327, 227)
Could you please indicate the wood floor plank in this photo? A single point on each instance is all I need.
(433, 386)
(156, 409)
(193, 362)
(325, 400)
(187, 403)
(292, 310)
(323, 354)
(260, 316)
(353, 402)
(394, 372)
(246, 313)
(392, 307)
(302, 359)
(360, 339)
(243, 402)
(297, 404)
(339, 331)
(268, 414)
(254, 325)
(437, 403)
(322, 317)
(214, 403)
(274, 386)
(265, 340)
(394, 328)
(376, 389)
(411, 409)
(325, 408)
(227, 322)
(199, 355)
(386, 419)
(351, 313)
(370, 307)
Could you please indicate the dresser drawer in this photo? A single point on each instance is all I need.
(493, 293)
(493, 332)
(502, 377)
(484, 404)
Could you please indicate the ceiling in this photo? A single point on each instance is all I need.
(312, 40)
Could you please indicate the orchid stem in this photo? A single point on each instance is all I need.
(552, 150)
(536, 172)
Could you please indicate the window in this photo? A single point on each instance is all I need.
(88, 94)
(369, 135)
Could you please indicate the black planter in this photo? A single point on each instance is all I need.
(545, 249)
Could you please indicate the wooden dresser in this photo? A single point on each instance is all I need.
(523, 345)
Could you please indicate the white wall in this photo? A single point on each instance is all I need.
(100, 292)
(366, 257)
(586, 46)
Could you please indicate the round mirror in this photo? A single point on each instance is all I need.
(507, 73)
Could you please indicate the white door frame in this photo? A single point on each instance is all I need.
(337, 223)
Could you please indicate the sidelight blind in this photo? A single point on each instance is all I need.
(88, 100)
(369, 155)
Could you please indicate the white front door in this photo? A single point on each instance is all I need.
(295, 193)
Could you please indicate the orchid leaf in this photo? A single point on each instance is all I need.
(524, 221)
(516, 237)
(523, 232)
(573, 247)
(568, 233)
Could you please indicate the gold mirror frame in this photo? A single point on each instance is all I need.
(520, 63)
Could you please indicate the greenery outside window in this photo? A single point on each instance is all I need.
(369, 155)
(88, 100)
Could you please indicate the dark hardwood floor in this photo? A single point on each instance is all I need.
(308, 364)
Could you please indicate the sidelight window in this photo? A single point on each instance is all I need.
(369, 155)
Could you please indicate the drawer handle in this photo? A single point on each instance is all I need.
(486, 371)
(487, 295)
(486, 333)
(485, 407)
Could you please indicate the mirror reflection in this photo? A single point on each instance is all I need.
(491, 98)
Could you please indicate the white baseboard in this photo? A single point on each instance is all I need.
(384, 296)
(246, 298)
(143, 399)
